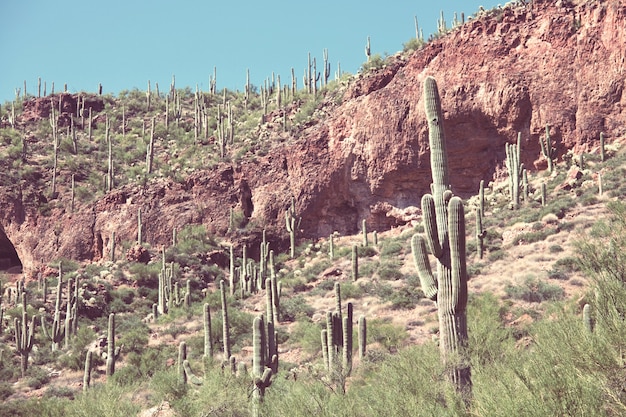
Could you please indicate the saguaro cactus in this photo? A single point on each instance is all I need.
(292, 222)
(444, 224)
(225, 331)
(57, 331)
(546, 149)
(87, 373)
(260, 373)
(24, 337)
(112, 352)
(355, 263)
(515, 169)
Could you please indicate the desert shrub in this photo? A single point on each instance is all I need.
(474, 269)
(390, 270)
(496, 255)
(365, 252)
(294, 308)
(6, 390)
(555, 248)
(75, 357)
(350, 290)
(375, 62)
(405, 298)
(412, 44)
(145, 275)
(534, 236)
(102, 400)
(308, 335)
(312, 272)
(37, 377)
(390, 248)
(489, 339)
(534, 290)
(389, 335)
(60, 392)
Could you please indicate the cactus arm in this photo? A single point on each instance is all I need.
(430, 225)
(420, 258)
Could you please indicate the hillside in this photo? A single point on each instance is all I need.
(118, 193)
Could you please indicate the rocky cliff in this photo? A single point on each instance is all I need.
(516, 69)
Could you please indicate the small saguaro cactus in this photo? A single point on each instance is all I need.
(515, 169)
(587, 319)
(364, 232)
(260, 373)
(57, 331)
(602, 151)
(208, 341)
(480, 234)
(481, 198)
(337, 344)
(225, 330)
(444, 224)
(112, 352)
(362, 337)
(24, 336)
(355, 262)
(547, 150)
(87, 373)
(292, 222)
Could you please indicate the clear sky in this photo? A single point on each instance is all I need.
(123, 44)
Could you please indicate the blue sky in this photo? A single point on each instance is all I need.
(123, 44)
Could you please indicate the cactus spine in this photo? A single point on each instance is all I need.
(444, 224)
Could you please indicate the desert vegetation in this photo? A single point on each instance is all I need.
(530, 308)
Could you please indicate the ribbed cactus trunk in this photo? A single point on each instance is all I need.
(444, 224)
(110, 364)
(260, 373)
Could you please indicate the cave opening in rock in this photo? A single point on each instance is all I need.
(9, 260)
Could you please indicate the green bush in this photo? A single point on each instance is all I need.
(295, 308)
(390, 270)
(534, 290)
(389, 335)
(6, 390)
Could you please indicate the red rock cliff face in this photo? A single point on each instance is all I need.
(517, 70)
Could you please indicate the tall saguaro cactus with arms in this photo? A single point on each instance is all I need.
(444, 225)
